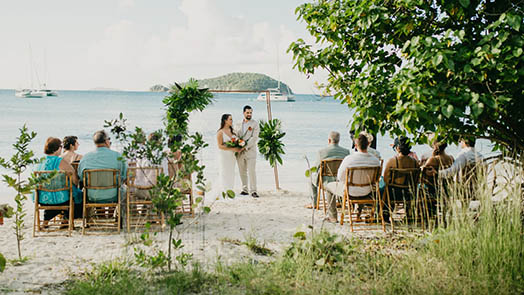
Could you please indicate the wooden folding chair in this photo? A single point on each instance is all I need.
(187, 204)
(405, 180)
(140, 205)
(102, 216)
(362, 177)
(61, 182)
(328, 168)
(186, 188)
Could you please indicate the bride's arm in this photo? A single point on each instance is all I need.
(222, 146)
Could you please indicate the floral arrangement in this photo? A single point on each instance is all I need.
(236, 142)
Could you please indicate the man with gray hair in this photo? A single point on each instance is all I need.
(103, 158)
(332, 151)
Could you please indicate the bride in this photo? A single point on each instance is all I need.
(226, 155)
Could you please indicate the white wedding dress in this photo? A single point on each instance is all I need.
(226, 163)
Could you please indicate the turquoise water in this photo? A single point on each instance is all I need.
(306, 122)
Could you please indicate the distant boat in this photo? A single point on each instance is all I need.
(34, 93)
(46, 92)
(275, 95)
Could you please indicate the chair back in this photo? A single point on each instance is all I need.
(329, 167)
(143, 177)
(101, 179)
(75, 165)
(60, 182)
(404, 178)
(362, 176)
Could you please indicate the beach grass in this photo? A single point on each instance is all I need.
(477, 252)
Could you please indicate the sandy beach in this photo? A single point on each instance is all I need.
(272, 220)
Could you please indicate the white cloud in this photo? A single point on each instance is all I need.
(209, 38)
(126, 3)
(119, 46)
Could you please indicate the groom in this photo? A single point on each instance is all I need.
(248, 130)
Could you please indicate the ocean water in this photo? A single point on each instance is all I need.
(307, 122)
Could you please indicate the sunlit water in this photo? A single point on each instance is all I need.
(306, 122)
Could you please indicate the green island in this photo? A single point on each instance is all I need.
(235, 81)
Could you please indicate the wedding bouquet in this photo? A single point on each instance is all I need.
(236, 142)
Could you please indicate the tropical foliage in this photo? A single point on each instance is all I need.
(270, 142)
(167, 195)
(450, 67)
(22, 159)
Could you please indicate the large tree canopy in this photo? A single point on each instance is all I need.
(414, 66)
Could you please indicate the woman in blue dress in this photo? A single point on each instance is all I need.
(53, 161)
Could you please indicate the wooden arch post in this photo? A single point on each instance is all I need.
(269, 117)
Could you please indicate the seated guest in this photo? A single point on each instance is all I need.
(429, 152)
(372, 143)
(467, 156)
(71, 144)
(103, 158)
(361, 158)
(467, 160)
(439, 159)
(52, 149)
(148, 177)
(371, 150)
(396, 143)
(402, 160)
(173, 157)
(332, 151)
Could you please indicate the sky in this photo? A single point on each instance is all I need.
(134, 44)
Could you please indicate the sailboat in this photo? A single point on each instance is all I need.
(34, 93)
(275, 94)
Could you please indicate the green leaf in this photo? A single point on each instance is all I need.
(476, 61)
(464, 3)
(447, 111)
(437, 59)
(514, 21)
(517, 52)
(300, 235)
(308, 173)
(477, 109)
(3, 262)
(206, 209)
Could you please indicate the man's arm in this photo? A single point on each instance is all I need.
(454, 168)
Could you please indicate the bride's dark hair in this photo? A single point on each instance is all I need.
(223, 122)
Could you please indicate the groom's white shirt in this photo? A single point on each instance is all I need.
(248, 131)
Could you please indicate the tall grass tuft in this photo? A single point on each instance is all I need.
(486, 245)
(473, 252)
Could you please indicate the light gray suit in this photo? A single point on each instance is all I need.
(247, 160)
(332, 151)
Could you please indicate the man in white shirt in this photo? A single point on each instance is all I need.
(467, 156)
(361, 158)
